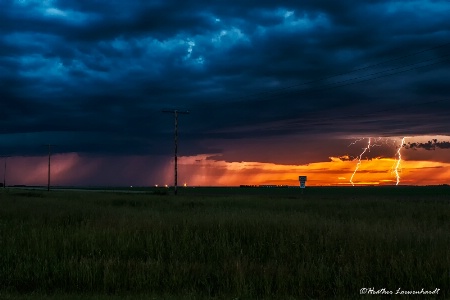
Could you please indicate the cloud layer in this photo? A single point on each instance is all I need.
(93, 76)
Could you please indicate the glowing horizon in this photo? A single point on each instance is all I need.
(414, 164)
(67, 170)
(377, 171)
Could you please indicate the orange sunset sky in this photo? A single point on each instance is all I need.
(417, 166)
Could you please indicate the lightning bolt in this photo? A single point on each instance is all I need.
(399, 160)
(359, 159)
(353, 143)
(373, 142)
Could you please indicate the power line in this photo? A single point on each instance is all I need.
(353, 81)
(320, 120)
(343, 83)
(374, 76)
(266, 92)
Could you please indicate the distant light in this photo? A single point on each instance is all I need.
(167, 185)
(185, 184)
(156, 185)
(131, 186)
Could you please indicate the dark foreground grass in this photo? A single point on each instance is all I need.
(224, 244)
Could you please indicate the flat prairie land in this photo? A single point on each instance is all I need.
(225, 243)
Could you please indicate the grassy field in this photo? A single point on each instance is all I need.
(224, 243)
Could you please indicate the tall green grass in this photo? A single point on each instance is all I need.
(328, 243)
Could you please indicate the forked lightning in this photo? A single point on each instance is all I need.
(359, 160)
(397, 165)
(399, 160)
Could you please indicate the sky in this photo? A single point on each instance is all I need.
(345, 92)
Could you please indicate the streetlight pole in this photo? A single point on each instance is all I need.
(175, 112)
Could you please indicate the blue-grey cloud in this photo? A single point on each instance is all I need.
(95, 75)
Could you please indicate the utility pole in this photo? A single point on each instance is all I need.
(175, 112)
(48, 177)
(4, 174)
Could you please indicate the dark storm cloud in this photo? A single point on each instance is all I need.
(430, 145)
(95, 75)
